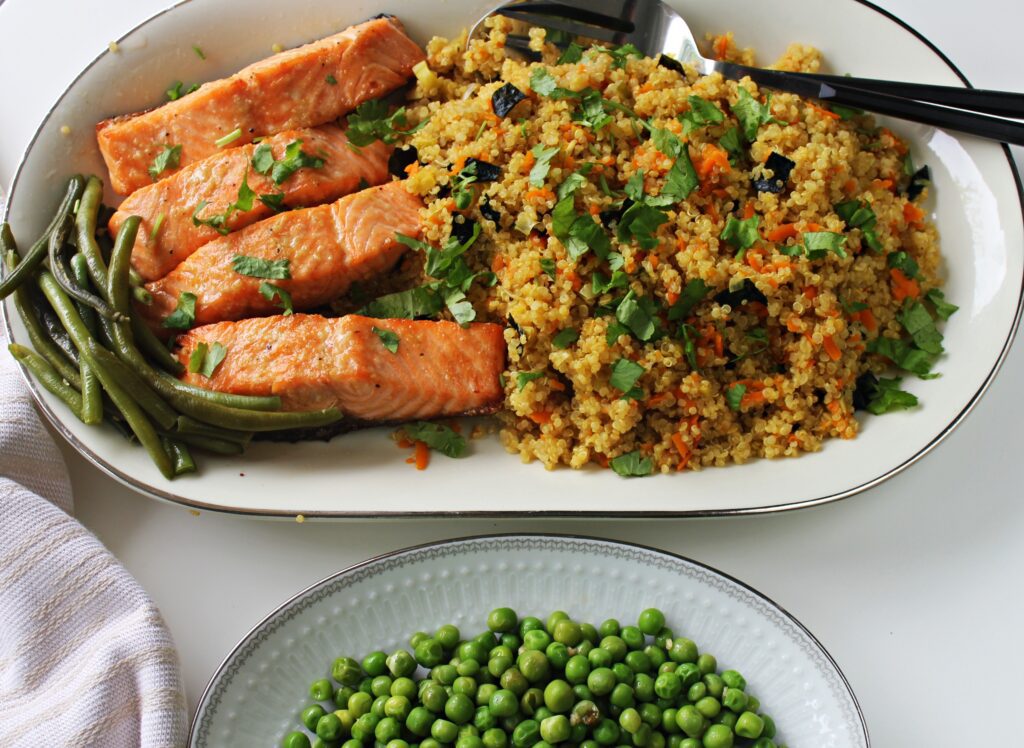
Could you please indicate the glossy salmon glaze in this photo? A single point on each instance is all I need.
(216, 180)
(312, 362)
(290, 90)
(327, 247)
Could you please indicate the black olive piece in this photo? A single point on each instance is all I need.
(463, 230)
(773, 186)
(866, 388)
(917, 182)
(505, 99)
(781, 167)
(444, 191)
(484, 171)
(667, 62)
(747, 291)
(400, 159)
(488, 211)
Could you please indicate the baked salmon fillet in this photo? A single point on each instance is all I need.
(314, 254)
(312, 362)
(300, 87)
(168, 234)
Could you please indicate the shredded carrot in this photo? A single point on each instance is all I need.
(594, 209)
(712, 212)
(884, 184)
(405, 443)
(654, 260)
(912, 213)
(422, 456)
(601, 460)
(811, 226)
(541, 416)
(781, 232)
(529, 160)
(436, 219)
(412, 168)
(831, 348)
(866, 318)
(849, 186)
(556, 384)
(645, 88)
(755, 259)
(459, 164)
(721, 47)
(499, 263)
(684, 451)
(823, 112)
(574, 280)
(793, 324)
(751, 398)
(682, 243)
(655, 400)
(834, 407)
(902, 286)
(568, 162)
(719, 344)
(759, 309)
(671, 297)
(711, 156)
(543, 192)
(811, 292)
(748, 210)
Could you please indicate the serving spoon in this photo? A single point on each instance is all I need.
(656, 29)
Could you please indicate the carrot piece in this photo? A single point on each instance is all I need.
(556, 384)
(671, 297)
(754, 259)
(684, 451)
(834, 407)
(682, 243)
(595, 209)
(712, 156)
(867, 318)
(721, 47)
(529, 160)
(719, 344)
(654, 260)
(912, 214)
(849, 186)
(823, 112)
(655, 400)
(902, 286)
(541, 416)
(781, 232)
(831, 348)
(459, 164)
(884, 184)
(811, 292)
(752, 398)
(811, 226)
(412, 168)
(574, 280)
(793, 324)
(542, 193)
(498, 263)
(748, 210)
(712, 212)
(422, 456)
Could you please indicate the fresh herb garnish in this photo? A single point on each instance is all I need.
(199, 52)
(640, 222)
(157, 225)
(702, 112)
(271, 291)
(168, 158)
(730, 142)
(734, 394)
(741, 234)
(578, 233)
(542, 163)
(294, 159)
(574, 182)
(689, 335)
(572, 53)
(884, 395)
(544, 84)
(195, 359)
(943, 308)
(421, 302)
(210, 360)
(903, 262)
(257, 267)
(602, 283)
(625, 374)
(752, 114)
(547, 266)
(620, 55)
(246, 197)
(184, 314)
(274, 201)
(564, 338)
(331, 80)
(437, 436)
(228, 139)
(639, 316)
(846, 112)
(905, 356)
(178, 90)
(388, 338)
(859, 215)
(523, 378)
(693, 293)
(371, 121)
(819, 243)
(920, 326)
(632, 465)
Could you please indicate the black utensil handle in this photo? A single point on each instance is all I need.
(982, 125)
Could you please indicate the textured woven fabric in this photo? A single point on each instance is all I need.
(85, 658)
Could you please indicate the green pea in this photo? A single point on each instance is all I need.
(650, 714)
(377, 708)
(375, 663)
(598, 657)
(667, 667)
(609, 627)
(582, 693)
(577, 668)
(444, 731)
(397, 707)
(321, 690)
(683, 650)
(763, 743)
(622, 673)
(589, 633)
(404, 687)
(396, 743)
(311, 715)
(633, 637)
(487, 639)
(468, 731)
(351, 743)
(448, 635)
(526, 734)
(734, 700)
(668, 685)
(473, 650)
(567, 632)
(533, 665)
(433, 697)
(753, 704)
(668, 721)
(417, 638)
(690, 743)
(359, 704)
(769, 726)
(709, 706)
(630, 720)
(459, 708)
(657, 740)
(342, 695)
(499, 664)
(589, 744)
(346, 718)
(465, 685)
(697, 692)
(557, 654)
(513, 680)
(715, 684)
(495, 738)
(643, 687)
(530, 623)
(387, 729)
(429, 652)
(538, 640)
(295, 740)
(734, 679)
(484, 693)
(656, 655)
(601, 681)
(690, 720)
(707, 664)
(555, 729)
(718, 736)
(469, 741)
(483, 719)
(554, 618)
(577, 733)
(512, 641)
(651, 621)
(381, 685)
(502, 620)
(727, 718)
(643, 736)
(365, 685)
(558, 696)
(328, 727)
(445, 674)
(638, 662)
(503, 703)
(687, 673)
(615, 646)
(585, 712)
(664, 638)
(346, 671)
(419, 720)
(622, 696)
(531, 701)
(607, 732)
(429, 743)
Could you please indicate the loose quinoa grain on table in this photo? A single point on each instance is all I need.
(692, 271)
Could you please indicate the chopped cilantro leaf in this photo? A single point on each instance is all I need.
(177, 90)
(332, 80)
(572, 53)
(459, 307)
(578, 233)
(424, 301)
(388, 338)
(168, 158)
(752, 114)
(730, 142)
(274, 201)
(195, 359)
(212, 359)
(640, 222)
(741, 234)
(620, 55)
(547, 266)
(847, 112)
(257, 267)
(184, 314)
(542, 163)
(888, 397)
(734, 395)
(543, 83)
(689, 334)
(602, 284)
(625, 374)
(437, 437)
(919, 325)
(632, 465)
(523, 378)
(702, 112)
(614, 332)
(371, 121)
(819, 243)
(442, 263)
(573, 182)
(199, 52)
(593, 111)
(943, 308)
(903, 262)
(693, 293)
(638, 315)
(564, 338)
(905, 356)
(271, 291)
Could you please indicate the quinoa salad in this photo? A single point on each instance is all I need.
(693, 272)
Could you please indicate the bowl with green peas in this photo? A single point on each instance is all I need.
(529, 641)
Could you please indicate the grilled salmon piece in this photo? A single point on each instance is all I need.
(290, 90)
(313, 362)
(327, 248)
(168, 234)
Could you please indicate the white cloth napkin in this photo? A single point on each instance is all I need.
(85, 657)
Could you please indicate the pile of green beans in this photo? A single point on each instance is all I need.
(92, 349)
(525, 683)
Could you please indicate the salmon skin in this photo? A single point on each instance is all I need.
(326, 249)
(300, 87)
(312, 362)
(168, 234)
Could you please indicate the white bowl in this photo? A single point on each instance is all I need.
(976, 201)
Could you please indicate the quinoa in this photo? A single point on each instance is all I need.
(794, 332)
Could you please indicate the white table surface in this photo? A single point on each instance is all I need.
(914, 587)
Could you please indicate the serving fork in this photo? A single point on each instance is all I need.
(656, 29)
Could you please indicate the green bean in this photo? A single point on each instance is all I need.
(63, 275)
(133, 414)
(209, 444)
(245, 402)
(139, 292)
(85, 232)
(92, 391)
(37, 334)
(37, 251)
(133, 383)
(183, 462)
(147, 341)
(118, 285)
(47, 376)
(188, 425)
